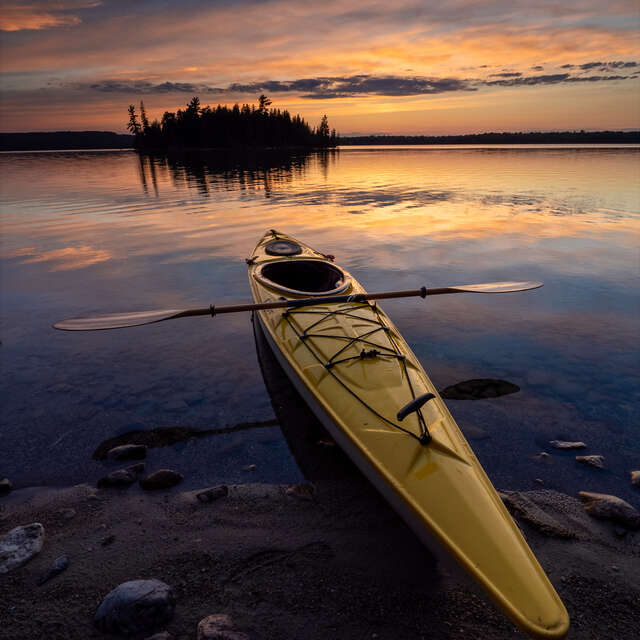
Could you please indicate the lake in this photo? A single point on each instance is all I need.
(104, 231)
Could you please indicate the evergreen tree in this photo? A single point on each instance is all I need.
(134, 125)
(143, 118)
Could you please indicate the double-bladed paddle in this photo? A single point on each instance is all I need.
(121, 320)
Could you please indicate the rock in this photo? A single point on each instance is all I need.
(592, 461)
(479, 388)
(20, 545)
(135, 606)
(119, 479)
(561, 444)
(5, 486)
(249, 467)
(57, 566)
(218, 627)
(601, 505)
(128, 452)
(635, 478)
(163, 635)
(213, 493)
(474, 433)
(539, 481)
(304, 491)
(162, 479)
(523, 508)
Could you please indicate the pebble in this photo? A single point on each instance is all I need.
(539, 481)
(57, 566)
(593, 461)
(135, 606)
(119, 479)
(249, 467)
(561, 444)
(213, 493)
(601, 505)
(635, 478)
(162, 479)
(20, 545)
(218, 627)
(128, 452)
(5, 486)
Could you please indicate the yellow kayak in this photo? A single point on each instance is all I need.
(358, 375)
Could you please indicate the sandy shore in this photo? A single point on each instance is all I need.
(341, 565)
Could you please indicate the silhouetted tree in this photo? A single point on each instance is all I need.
(134, 125)
(323, 129)
(263, 103)
(143, 117)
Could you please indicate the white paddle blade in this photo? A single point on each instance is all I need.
(117, 320)
(498, 287)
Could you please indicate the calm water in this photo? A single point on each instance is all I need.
(99, 232)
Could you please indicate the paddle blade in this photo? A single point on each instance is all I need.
(117, 320)
(498, 287)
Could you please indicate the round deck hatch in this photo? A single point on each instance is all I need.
(283, 248)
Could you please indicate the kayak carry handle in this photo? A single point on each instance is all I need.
(414, 405)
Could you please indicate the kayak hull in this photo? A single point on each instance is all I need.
(355, 371)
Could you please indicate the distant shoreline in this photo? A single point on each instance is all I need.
(97, 140)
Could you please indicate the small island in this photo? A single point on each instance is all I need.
(245, 126)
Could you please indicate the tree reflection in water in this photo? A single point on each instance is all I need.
(214, 171)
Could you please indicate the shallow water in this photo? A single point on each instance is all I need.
(106, 231)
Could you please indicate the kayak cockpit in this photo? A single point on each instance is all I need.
(303, 277)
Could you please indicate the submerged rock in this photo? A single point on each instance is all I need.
(635, 478)
(5, 486)
(592, 461)
(136, 606)
(479, 388)
(57, 566)
(20, 545)
(562, 444)
(602, 505)
(162, 479)
(213, 493)
(303, 490)
(128, 452)
(523, 508)
(119, 479)
(137, 468)
(218, 627)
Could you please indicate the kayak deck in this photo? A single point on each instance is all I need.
(355, 371)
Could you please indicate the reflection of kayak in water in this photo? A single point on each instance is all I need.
(362, 381)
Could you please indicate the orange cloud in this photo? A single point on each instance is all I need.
(34, 16)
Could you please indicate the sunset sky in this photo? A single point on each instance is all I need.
(396, 67)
